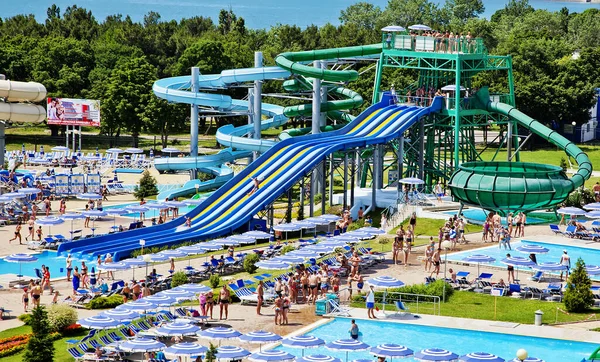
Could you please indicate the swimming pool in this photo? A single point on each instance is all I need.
(417, 337)
(589, 256)
(150, 213)
(478, 216)
(48, 258)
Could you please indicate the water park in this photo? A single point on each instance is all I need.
(361, 226)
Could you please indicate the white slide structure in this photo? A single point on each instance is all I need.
(13, 91)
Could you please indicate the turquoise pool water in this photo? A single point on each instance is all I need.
(150, 213)
(418, 337)
(46, 257)
(478, 216)
(589, 256)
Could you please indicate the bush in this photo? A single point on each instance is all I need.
(335, 209)
(40, 347)
(178, 279)
(147, 186)
(578, 295)
(579, 198)
(25, 318)
(60, 316)
(105, 302)
(563, 164)
(286, 249)
(356, 224)
(249, 263)
(214, 281)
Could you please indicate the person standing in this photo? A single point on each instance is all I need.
(511, 271)
(25, 299)
(354, 332)
(30, 227)
(285, 308)
(260, 291)
(75, 280)
(439, 192)
(224, 302)
(36, 292)
(436, 262)
(565, 260)
(107, 260)
(371, 303)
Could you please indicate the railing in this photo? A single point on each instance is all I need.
(419, 43)
(417, 303)
(450, 102)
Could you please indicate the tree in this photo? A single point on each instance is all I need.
(578, 295)
(40, 347)
(211, 354)
(362, 14)
(514, 8)
(164, 118)
(463, 10)
(409, 12)
(208, 55)
(146, 187)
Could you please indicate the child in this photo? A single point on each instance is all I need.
(25, 299)
(55, 299)
(39, 233)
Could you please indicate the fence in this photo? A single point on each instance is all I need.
(417, 303)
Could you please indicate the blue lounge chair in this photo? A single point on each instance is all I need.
(537, 277)
(556, 229)
(401, 308)
(75, 353)
(462, 274)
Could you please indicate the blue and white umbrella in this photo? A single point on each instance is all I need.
(257, 234)
(89, 196)
(231, 352)
(360, 234)
(121, 315)
(177, 294)
(177, 329)
(385, 282)
(160, 300)
(271, 356)
(528, 359)
(134, 150)
(411, 181)
(219, 333)
(117, 211)
(532, 249)
(595, 214)
(287, 227)
(133, 262)
(29, 190)
(72, 216)
(317, 220)
(192, 249)
(480, 357)
(479, 259)
(60, 149)
(289, 259)
(305, 224)
(305, 253)
(15, 195)
(435, 354)
(549, 267)
(99, 322)
(49, 220)
(419, 27)
(344, 238)
(138, 305)
(592, 269)
(518, 261)
(592, 206)
(319, 248)
(194, 288)
(175, 204)
(136, 208)
(330, 217)
(141, 345)
(318, 358)
(371, 230)
(170, 150)
(347, 345)
(155, 205)
(242, 239)
(391, 350)
(225, 242)
(272, 265)
(157, 257)
(114, 150)
(21, 259)
(113, 266)
(94, 213)
(194, 202)
(210, 246)
(174, 253)
(260, 337)
(570, 211)
(186, 349)
(302, 342)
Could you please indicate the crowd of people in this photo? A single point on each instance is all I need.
(443, 41)
(494, 231)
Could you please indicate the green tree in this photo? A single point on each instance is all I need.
(409, 12)
(514, 8)
(211, 354)
(463, 10)
(578, 295)
(146, 187)
(208, 55)
(361, 14)
(40, 347)
(163, 118)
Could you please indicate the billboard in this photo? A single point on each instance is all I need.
(73, 112)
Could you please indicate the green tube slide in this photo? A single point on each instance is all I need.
(595, 356)
(293, 62)
(518, 186)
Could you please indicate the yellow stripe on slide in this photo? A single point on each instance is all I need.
(384, 123)
(265, 182)
(367, 118)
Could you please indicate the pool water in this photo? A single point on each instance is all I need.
(417, 337)
(48, 258)
(150, 213)
(478, 216)
(590, 256)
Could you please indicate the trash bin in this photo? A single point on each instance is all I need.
(538, 317)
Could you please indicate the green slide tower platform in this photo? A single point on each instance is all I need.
(442, 147)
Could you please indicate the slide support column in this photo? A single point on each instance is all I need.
(302, 197)
(312, 194)
(331, 169)
(400, 156)
(323, 186)
(352, 175)
(374, 176)
(251, 119)
(194, 121)
(316, 102)
(2, 142)
(422, 149)
(509, 140)
(258, 63)
(345, 180)
(457, 119)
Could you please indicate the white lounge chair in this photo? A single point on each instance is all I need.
(401, 308)
(337, 310)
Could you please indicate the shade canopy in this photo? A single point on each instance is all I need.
(318, 358)
(272, 265)
(391, 350)
(194, 288)
(141, 345)
(121, 315)
(394, 28)
(113, 266)
(271, 356)
(302, 342)
(592, 269)
(49, 220)
(98, 322)
(89, 196)
(347, 345)
(570, 211)
(532, 249)
(231, 352)
(550, 267)
(160, 300)
(385, 282)
(177, 329)
(260, 337)
(435, 354)
(411, 181)
(219, 333)
(138, 305)
(452, 87)
(72, 216)
(479, 258)
(419, 27)
(20, 258)
(480, 357)
(518, 261)
(186, 349)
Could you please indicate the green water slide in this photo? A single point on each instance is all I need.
(595, 356)
(518, 186)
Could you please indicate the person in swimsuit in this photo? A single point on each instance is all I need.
(397, 245)
(285, 308)
(210, 303)
(429, 255)
(25, 299)
(224, 302)
(335, 283)
(136, 290)
(436, 263)
(260, 292)
(304, 283)
(353, 330)
(108, 259)
(407, 247)
(202, 303)
(313, 284)
(30, 227)
(277, 307)
(371, 303)
(17, 233)
(75, 280)
(355, 263)
(565, 260)
(255, 187)
(359, 282)
(69, 267)
(511, 271)
(35, 294)
(126, 292)
(349, 287)
(84, 275)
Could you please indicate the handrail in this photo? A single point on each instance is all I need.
(419, 43)
(420, 299)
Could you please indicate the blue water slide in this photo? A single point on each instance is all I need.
(231, 207)
(222, 174)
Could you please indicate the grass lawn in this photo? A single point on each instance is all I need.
(60, 345)
(481, 306)
(431, 227)
(549, 156)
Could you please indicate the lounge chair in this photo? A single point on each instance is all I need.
(514, 290)
(534, 292)
(556, 229)
(76, 353)
(537, 277)
(401, 308)
(337, 310)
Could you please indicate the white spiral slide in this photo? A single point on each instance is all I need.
(19, 92)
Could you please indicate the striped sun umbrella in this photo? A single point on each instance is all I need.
(318, 358)
(480, 357)
(121, 315)
(271, 356)
(186, 349)
(391, 351)
(98, 322)
(347, 345)
(435, 354)
(141, 345)
(178, 329)
(231, 352)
